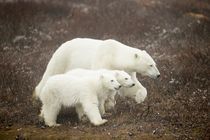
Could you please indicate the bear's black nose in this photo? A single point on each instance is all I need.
(133, 84)
(120, 86)
(158, 76)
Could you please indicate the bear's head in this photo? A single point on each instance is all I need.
(145, 65)
(109, 82)
(124, 79)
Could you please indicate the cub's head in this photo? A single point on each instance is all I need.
(145, 65)
(110, 82)
(124, 79)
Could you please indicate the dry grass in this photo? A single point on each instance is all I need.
(178, 103)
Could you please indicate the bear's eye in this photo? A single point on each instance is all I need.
(112, 80)
(126, 78)
(151, 65)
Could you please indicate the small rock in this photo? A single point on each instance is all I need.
(172, 81)
(18, 137)
(8, 128)
(26, 47)
(146, 34)
(19, 129)
(157, 27)
(34, 39)
(154, 131)
(114, 137)
(164, 31)
(130, 133)
(18, 38)
(45, 36)
(176, 30)
(43, 127)
(48, 37)
(204, 97)
(85, 10)
(5, 48)
(10, 124)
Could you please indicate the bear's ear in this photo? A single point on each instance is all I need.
(136, 55)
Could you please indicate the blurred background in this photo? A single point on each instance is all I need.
(175, 33)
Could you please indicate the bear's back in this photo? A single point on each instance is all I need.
(70, 82)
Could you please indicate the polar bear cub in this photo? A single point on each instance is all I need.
(69, 91)
(122, 77)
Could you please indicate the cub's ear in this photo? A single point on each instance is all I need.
(116, 74)
(101, 76)
(136, 55)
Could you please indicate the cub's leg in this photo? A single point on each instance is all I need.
(92, 112)
(110, 103)
(81, 113)
(101, 107)
(50, 114)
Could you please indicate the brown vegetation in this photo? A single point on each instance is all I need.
(175, 33)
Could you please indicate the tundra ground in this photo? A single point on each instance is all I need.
(175, 33)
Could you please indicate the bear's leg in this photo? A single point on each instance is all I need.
(141, 94)
(110, 103)
(92, 112)
(50, 112)
(137, 92)
(80, 111)
(41, 115)
(101, 107)
(140, 90)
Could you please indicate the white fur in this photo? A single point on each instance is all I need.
(70, 91)
(122, 77)
(97, 54)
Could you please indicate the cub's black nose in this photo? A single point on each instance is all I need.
(120, 86)
(158, 76)
(133, 84)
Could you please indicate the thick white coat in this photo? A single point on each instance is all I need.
(97, 54)
(122, 77)
(70, 91)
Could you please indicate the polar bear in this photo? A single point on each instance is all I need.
(97, 54)
(69, 91)
(122, 77)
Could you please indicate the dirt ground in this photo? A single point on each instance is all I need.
(175, 33)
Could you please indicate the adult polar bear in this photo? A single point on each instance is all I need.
(96, 54)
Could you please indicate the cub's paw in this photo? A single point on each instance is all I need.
(57, 124)
(101, 122)
(54, 125)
